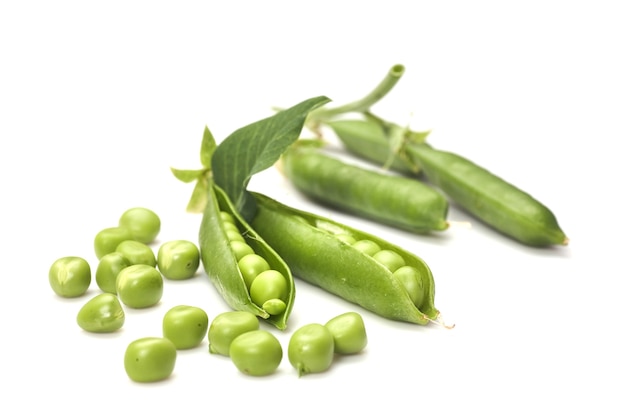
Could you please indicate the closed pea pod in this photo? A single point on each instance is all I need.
(383, 197)
(222, 265)
(485, 195)
(309, 245)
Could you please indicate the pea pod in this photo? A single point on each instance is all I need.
(485, 195)
(390, 199)
(312, 248)
(490, 198)
(220, 261)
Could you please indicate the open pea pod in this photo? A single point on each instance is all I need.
(312, 247)
(220, 262)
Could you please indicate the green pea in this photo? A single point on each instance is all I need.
(412, 281)
(178, 259)
(256, 353)
(108, 267)
(349, 334)
(139, 286)
(101, 314)
(226, 326)
(106, 240)
(137, 252)
(311, 349)
(228, 226)
(143, 223)
(227, 217)
(186, 326)
(234, 236)
(390, 199)
(347, 238)
(240, 249)
(268, 285)
(251, 266)
(274, 306)
(70, 276)
(366, 246)
(150, 359)
(390, 259)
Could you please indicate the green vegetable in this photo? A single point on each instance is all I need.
(108, 267)
(144, 224)
(70, 276)
(311, 349)
(186, 326)
(107, 239)
(139, 286)
(178, 259)
(349, 333)
(137, 252)
(251, 266)
(221, 264)
(101, 314)
(150, 359)
(490, 198)
(226, 326)
(256, 353)
(309, 245)
(386, 198)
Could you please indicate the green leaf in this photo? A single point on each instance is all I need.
(187, 175)
(255, 147)
(207, 148)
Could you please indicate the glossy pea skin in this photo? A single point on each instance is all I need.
(70, 276)
(390, 259)
(268, 285)
(139, 286)
(226, 326)
(412, 282)
(150, 359)
(339, 267)
(106, 240)
(390, 199)
(186, 326)
(252, 265)
(144, 224)
(178, 259)
(490, 198)
(366, 246)
(256, 353)
(349, 333)
(101, 314)
(137, 252)
(108, 267)
(311, 349)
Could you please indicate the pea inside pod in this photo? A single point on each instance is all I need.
(221, 261)
(316, 250)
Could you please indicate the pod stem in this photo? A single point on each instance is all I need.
(438, 321)
(362, 105)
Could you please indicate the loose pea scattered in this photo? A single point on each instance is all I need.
(101, 314)
(186, 326)
(349, 333)
(137, 252)
(108, 267)
(70, 276)
(226, 326)
(311, 349)
(150, 359)
(143, 224)
(256, 353)
(178, 259)
(107, 239)
(139, 286)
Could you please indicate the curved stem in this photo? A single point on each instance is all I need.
(364, 104)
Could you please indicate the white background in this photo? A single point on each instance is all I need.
(99, 99)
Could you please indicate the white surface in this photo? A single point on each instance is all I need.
(98, 101)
